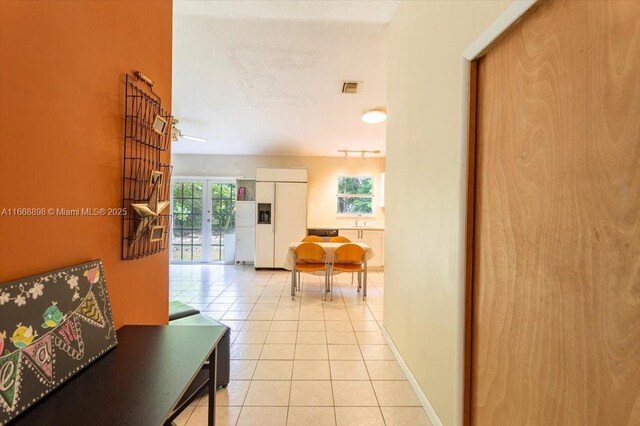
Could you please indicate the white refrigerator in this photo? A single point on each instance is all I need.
(281, 214)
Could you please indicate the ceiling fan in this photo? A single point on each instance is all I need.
(176, 133)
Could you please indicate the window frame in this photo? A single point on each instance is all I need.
(348, 195)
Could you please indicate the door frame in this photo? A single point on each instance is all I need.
(206, 181)
(515, 13)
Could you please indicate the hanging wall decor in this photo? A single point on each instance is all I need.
(53, 325)
(145, 180)
(149, 212)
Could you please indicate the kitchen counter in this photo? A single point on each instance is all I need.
(345, 227)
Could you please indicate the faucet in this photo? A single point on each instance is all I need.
(357, 219)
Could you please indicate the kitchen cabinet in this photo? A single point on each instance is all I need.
(245, 216)
(374, 238)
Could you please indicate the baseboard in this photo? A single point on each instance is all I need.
(431, 413)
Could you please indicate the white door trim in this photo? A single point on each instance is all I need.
(476, 49)
(207, 207)
(505, 21)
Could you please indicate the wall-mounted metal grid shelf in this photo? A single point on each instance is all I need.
(142, 156)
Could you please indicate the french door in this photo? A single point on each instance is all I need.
(203, 214)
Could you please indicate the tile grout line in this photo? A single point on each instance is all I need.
(326, 339)
(250, 383)
(369, 374)
(293, 363)
(351, 310)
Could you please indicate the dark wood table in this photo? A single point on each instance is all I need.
(145, 380)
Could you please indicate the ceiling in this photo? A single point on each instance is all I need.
(265, 77)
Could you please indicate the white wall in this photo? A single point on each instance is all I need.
(323, 172)
(423, 281)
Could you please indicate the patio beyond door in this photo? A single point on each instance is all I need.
(203, 213)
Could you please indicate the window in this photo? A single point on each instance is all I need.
(355, 195)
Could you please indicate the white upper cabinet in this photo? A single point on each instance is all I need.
(281, 175)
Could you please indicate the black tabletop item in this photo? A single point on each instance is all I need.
(140, 382)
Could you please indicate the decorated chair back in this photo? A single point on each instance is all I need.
(52, 326)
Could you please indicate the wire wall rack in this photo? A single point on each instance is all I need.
(146, 180)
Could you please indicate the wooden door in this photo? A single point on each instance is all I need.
(556, 260)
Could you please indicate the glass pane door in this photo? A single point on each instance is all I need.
(222, 217)
(203, 213)
(187, 204)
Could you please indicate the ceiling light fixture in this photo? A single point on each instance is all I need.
(176, 133)
(373, 116)
(357, 153)
(194, 138)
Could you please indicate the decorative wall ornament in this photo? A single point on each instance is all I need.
(159, 125)
(157, 233)
(62, 327)
(149, 212)
(146, 180)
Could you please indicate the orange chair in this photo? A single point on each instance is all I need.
(309, 239)
(308, 257)
(350, 258)
(339, 239)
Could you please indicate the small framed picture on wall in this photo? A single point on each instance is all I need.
(157, 232)
(156, 177)
(159, 125)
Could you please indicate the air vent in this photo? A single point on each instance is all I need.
(350, 87)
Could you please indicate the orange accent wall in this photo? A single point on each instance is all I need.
(62, 67)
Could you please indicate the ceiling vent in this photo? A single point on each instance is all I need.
(350, 87)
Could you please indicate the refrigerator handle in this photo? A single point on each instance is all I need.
(273, 207)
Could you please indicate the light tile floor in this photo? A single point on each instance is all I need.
(298, 362)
